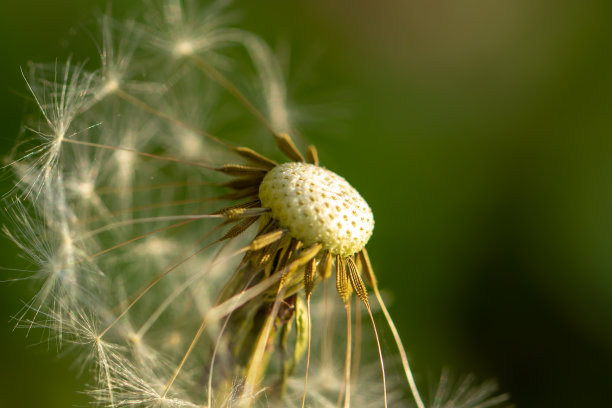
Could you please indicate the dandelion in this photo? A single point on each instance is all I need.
(190, 269)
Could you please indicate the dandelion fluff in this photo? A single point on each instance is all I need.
(189, 269)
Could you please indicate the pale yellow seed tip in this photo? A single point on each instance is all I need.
(317, 206)
(184, 48)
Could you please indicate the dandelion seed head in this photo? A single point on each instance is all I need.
(190, 145)
(184, 48)
(174, 339)
(158, 248)
(318, 206)
(85, 188)
(135, 339)
(125, 160)
(181, 287)
(111, 85)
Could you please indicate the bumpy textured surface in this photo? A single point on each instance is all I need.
(317, 205)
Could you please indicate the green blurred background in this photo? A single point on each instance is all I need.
(480, 133)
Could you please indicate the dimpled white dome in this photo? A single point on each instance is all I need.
(317, 206)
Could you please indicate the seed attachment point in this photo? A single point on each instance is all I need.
(317, 206)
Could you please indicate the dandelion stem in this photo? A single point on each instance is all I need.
(147, 220)
(175, 293)
(181, 256)
(402, 351)
(187, 353)
(220, 311)
(257, 364)
(131, 240)
(148, 108)
(329, 318)
(231, 88)
(308, 286)
(214, 357)
(149, 207)
(358, 333)
(152, 283)
(369, 274)
(347, 360)
(308, 321)
(150, 155)
(119, 190)
(382, 363)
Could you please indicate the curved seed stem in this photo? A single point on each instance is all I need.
(371, 278)
(139, 153)
(358, 335)
(218, 312)
(402, 351)
(231, 88)
(148, 108)
(216, 349)
(347, 360)
(150, 285)
(308, 350)
(382, 363)
(256, 364)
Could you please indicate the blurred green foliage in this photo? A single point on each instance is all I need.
(480, 133)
